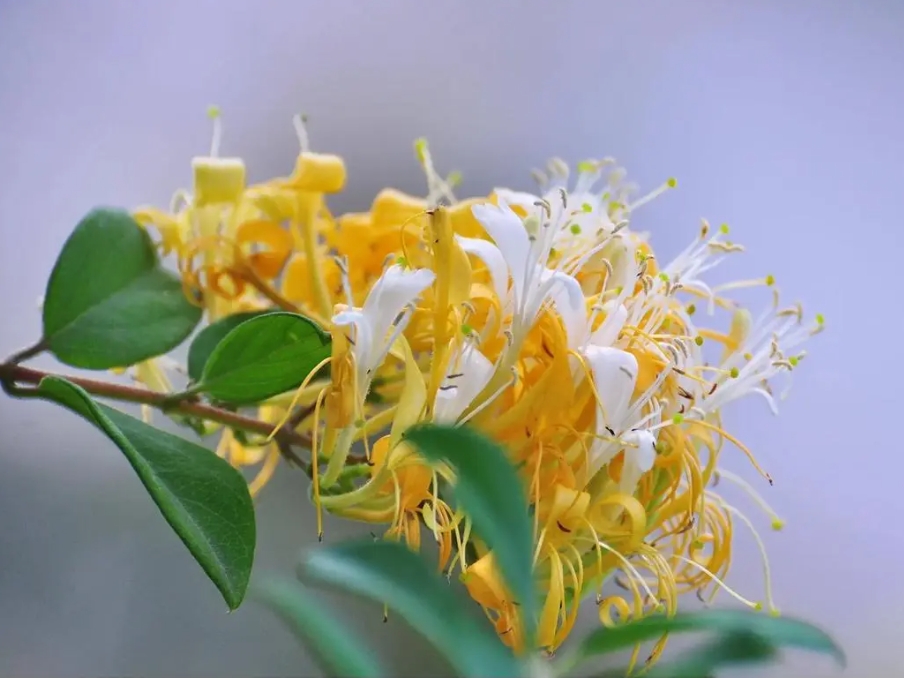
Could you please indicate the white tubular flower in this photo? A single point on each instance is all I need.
(524, 247)
(470, 372)
(387, 307)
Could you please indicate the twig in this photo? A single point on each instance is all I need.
(26, 353)
(12, 373)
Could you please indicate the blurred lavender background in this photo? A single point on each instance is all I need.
(782, 119)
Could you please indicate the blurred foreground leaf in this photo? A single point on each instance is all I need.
(390, 573)
(489, 490)
(775, 631)
(334, 649)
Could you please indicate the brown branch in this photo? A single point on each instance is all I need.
(25, 375)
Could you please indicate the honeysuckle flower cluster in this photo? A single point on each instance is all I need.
(543, 320)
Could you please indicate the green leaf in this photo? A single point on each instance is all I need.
(783, 631)
(202, 497)
(264, 356)
(207, 339)
(730, 649)
(390, 573)
(333, 648)
(490, 492)
(108, 302)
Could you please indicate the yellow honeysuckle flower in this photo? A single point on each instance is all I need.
(544, 321)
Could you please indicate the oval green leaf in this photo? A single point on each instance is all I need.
(204, 343)
(333, 648)
(263, 357)
(489, 490)
(781, 631)
(390, 573)
(108, 302)
(201, 496)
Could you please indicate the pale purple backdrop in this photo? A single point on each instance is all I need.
(783, 119)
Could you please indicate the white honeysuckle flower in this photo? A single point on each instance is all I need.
(469, 373)
(640, 455)
(524, 246)
(383, 317)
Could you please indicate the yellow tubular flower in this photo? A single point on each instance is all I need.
(544, 321)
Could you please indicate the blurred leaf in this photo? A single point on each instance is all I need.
(108, 302)
(390, 573)
(333, 648)
(207, 339)
(781, 631)
(489, 490)
(730, 649)
(202, 497)
(264, 356)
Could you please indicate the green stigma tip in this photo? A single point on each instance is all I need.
(213, 112)
(586, 166)
(672, 182)
(420, 147)
(723, 229)
(698, 340)
(402, 261)
(820, 318)
(775, 612)
(454, 178)
(466, 328)
(691, 309)
(575, 229)
(734, 372)
(586, 207)
(794, 360)
(778, 524)
(663, 276)
(770, 280)
(677, 418)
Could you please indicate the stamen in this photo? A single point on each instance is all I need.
(213, 112)
(725, 587)
(300, 122)
(770, 603)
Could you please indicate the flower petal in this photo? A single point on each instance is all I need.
(568, 300)
(492, 258)
(508, 232)
(396, 288)
(363, 340)
(607, 333)
(471, 373)
(639, 458)
(615, 375)
(517, 198)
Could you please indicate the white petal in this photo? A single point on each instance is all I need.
(614, 375)
(607, 333)
(518, 198)
(397, 288)
(475, 371)
(492, 258)
(508, 232)
(568, 300)
(639, 458)
(363, 348)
